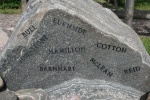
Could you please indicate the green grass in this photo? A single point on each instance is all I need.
(10, 11)
(142, 6)
(146, 42)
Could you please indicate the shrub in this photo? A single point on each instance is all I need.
(10, 5)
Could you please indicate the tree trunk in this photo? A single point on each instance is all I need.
(116, 3)
(108, 1)
(24, 2)
(129, 6)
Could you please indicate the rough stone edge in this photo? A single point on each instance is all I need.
(100, 83)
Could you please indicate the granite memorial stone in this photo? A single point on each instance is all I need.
(60, 40)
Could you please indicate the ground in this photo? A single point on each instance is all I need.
(9, 21)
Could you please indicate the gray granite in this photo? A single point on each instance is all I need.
(8, 95)
(32, 94)
(56, 41)
(79, 89)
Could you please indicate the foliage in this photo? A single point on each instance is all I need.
(10, 4)
(139, 4)
(146, 42)
(10, 11)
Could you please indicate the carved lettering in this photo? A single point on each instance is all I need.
(132, 70)
(56, 68)
(102, 68)
(111, 47)
(29, 31)
(67, 50)
(33, 48)
(67, 25)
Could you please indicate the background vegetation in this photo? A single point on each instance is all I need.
(139, 4)
(146, 42)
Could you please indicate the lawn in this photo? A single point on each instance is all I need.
(146, 42)
(10, 11)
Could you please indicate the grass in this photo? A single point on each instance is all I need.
(146, 42)
(10, 11)
(142, 6)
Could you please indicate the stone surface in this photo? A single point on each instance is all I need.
(1, 83)
(3, 39)
(57, 41)
(7, 95)
(79, 89)
(31, 94)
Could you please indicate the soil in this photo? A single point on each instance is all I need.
(8, 22)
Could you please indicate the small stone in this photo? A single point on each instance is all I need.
(8, 95)
(31, 94)
(148, 98)
(1, 83)
(74, 97)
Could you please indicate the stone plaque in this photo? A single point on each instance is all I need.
(57, 41)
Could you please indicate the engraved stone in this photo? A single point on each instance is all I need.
(59, 40)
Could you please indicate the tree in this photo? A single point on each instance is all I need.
(116, 3)
(23, 2)
(129, 6)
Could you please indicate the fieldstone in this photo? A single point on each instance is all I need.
(79, 89)
(148, 98)
(3, 39)
(57, 41)
(31, 94)
(1, 83)
(8, 95)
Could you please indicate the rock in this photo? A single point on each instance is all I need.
(9, 31)
(148, 98)
(57, 41)
(1, 83)
(79, 89)
(3, 39)
(31, 94)
(7, 95)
